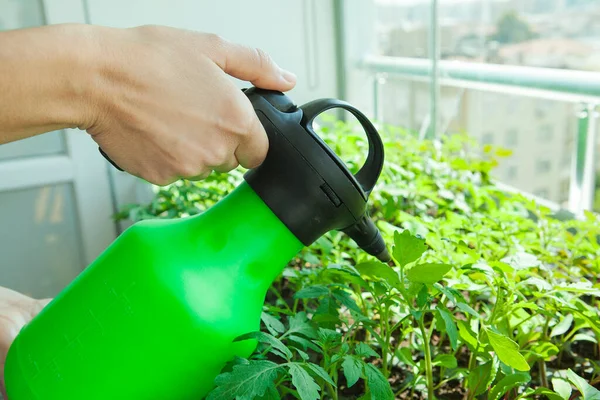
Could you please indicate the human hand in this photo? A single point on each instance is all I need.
(16, 310)
(162, 106)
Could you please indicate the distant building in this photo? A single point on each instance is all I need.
(549, 53)
(540, 132)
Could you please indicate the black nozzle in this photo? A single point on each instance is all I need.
(305, 183)
(367, 237)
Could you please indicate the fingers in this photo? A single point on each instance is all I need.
(253, 65)
(2, 390)
(254, 144)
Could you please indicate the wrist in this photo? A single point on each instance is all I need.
(45, 76)
(76, 66)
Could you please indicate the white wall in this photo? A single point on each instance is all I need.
(298, 34)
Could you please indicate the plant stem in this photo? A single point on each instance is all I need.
(542, 362)
(428, 366)
(384, 349)
(332, 392)
(543, 374)
(274, 289)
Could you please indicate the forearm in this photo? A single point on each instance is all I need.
(42, 75)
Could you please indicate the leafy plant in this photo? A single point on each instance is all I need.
(490, 295)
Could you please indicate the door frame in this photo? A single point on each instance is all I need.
(81, 164)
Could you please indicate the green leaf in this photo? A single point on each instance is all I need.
(507, 351)
(407, 248)
(507, 383)
(364, 350)
(345, 298)
(329, 336)
(379, 270)
(580, 287)
(550, 395)
(269, 339)
(562, 387)
(445, 360)
(299, 324)
(428, 273)
(320, 372)
(405, 355)
(270, 394)
(466, 308)
(422, 296)
(304, 356)
(378, 386)
(478, 378)
(540, 284)
(522, 260)
(563, 326)
(312, 292)
(352, 367)
(327, 314)
(584, 337)
(451, 330)
(245, 381)
(544, 350)
(305, 344)
(274, 326)
(587, 391)
(467, 335)
(304, 383)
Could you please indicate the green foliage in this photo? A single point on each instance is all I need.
(512, 29)
(491, 296)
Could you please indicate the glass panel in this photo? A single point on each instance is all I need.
(48, 143)
(596, 205)
(541, 143)
(39, 240)
(536, 33)
(403, 30)
(16, 14)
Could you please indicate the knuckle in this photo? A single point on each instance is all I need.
(263, 58)
(159, 179)
(214, 40)
(151, 29)
(188, 170)
(219, 155)
(237, 116)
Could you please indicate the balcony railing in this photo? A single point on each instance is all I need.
(576, 87)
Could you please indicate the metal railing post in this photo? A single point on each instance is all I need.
(434, 54)
(583, 168)
(589, 171)
(378, 80)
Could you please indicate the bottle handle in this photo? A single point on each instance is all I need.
(369, 173)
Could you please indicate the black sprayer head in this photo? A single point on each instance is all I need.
(305, 183)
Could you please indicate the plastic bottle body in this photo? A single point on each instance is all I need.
(155, 315)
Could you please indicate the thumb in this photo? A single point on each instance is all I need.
(253, 65)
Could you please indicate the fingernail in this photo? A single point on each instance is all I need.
(288, 76)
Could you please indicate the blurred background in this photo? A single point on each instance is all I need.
(521, 74)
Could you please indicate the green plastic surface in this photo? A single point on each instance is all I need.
(155, 315)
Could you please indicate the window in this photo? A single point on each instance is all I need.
(542, 108)
(512, 138)
(513, 104)
(487, 138)
(545, 133)
(543, 166)
(512, 172)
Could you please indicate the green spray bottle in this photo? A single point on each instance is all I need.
(155, 315)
